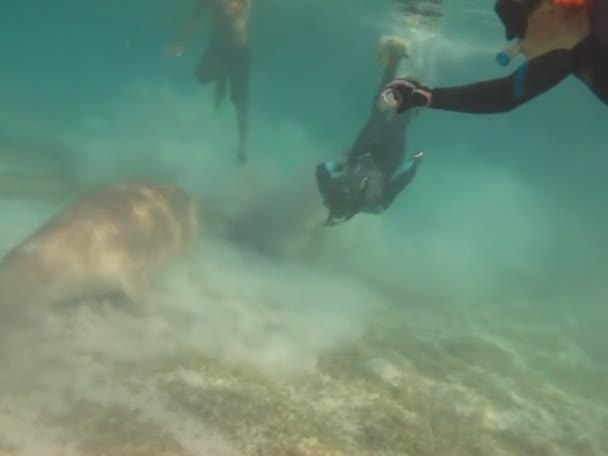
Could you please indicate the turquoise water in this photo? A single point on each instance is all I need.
(467, 320)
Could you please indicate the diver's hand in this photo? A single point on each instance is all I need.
(405, 94)
(175, 50)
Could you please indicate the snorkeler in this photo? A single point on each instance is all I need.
(364, 180)
(227, 59)
(558, 37)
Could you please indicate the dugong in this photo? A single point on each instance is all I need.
(111, 240)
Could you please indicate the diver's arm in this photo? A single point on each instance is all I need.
(247, 6)
(192, 24)
(500, 95)
(599, 22)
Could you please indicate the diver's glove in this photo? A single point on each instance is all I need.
(403, 94)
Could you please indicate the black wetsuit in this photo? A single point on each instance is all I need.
(588, 61)
(379, 150)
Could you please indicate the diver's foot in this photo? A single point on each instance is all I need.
(241, 155)
(391, 48)
(217, 103)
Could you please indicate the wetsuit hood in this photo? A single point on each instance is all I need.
(514, 16)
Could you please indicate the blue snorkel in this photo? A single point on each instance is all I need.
(505, 57)
(508, 53)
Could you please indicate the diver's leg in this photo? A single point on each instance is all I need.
(370, 137)
(379, 123)
(240, 74)
(395, 54)
(394, 127)
(211, 67)
(220, 91)
(243, 126)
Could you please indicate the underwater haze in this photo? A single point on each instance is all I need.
(469, 319)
